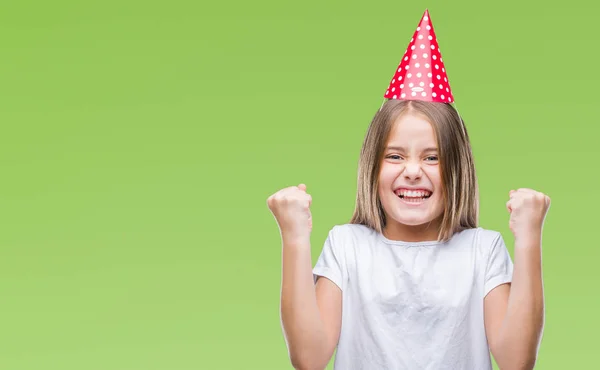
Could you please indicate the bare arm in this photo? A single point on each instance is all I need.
(514, 314)
(311, 316)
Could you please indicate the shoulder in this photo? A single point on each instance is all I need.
(344, 237)
(480, 238)
(487, 248)
(351, 232)
(489, 237)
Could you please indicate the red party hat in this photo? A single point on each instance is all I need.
(421, 74)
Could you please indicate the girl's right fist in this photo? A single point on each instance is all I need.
(291, 209)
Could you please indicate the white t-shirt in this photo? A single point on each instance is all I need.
(413, 305)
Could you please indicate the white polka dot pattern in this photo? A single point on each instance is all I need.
(422, 53)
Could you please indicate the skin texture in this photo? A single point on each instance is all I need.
(411, 160)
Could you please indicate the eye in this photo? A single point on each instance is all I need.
(432, 158)
(394, 156)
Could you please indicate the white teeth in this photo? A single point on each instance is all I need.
(413, 193)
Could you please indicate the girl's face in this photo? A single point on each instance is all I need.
(410, 184)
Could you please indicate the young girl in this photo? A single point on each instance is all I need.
(412, 281)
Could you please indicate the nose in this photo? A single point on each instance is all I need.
(412, 170)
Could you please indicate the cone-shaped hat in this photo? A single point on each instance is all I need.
(421, 74)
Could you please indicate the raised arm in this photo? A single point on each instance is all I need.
(310, 313)
(514, 314)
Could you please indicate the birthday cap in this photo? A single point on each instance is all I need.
(421, 74)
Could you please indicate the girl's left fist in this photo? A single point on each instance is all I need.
(527, 210)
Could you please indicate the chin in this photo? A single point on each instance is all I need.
(413, 217)
(416, 221)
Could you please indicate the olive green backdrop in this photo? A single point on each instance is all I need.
(140, 141)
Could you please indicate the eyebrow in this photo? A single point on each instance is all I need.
(402, 149)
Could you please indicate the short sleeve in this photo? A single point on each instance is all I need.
(499, 268)
(331, 261)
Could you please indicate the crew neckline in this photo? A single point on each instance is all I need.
(408, 244)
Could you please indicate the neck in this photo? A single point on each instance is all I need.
(409, 233)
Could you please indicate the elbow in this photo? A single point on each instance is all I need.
(515, 359)
(306, 362)
(304, 365)
(530, 363)
(527, 364)
(530, 359)
(298, 362)
(523, 364)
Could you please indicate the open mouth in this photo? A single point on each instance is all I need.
(413, 196)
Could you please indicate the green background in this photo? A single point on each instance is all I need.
(140, 141)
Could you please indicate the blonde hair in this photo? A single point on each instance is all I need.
(459, 183)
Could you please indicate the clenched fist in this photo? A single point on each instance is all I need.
(291, 209)
(527, 210)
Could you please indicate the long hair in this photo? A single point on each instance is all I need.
(459, 182)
